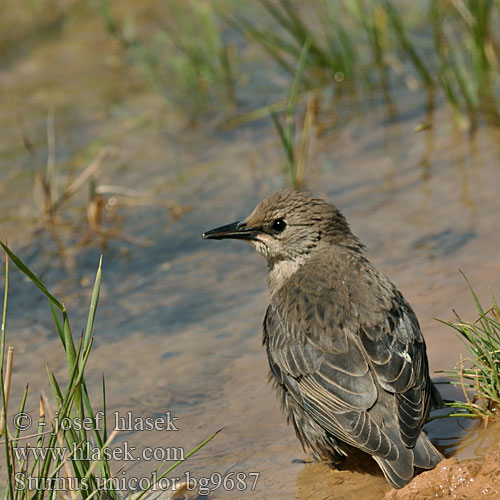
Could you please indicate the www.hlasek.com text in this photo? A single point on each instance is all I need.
(89, 452)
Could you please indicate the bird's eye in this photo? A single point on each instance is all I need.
(279, 225)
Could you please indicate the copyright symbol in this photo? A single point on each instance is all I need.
(22, 421)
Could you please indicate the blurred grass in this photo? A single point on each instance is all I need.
(354, 45)
(35, 476)
(479, 375)
(187, 48)
(28, 21)
(295, 153)
(200, 53)
(186, 55)
(447, 49)
(452, 45)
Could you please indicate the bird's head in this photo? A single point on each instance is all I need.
(290, 225)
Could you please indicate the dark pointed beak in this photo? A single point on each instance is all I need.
(236, 230)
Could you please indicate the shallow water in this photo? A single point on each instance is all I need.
(178, 326)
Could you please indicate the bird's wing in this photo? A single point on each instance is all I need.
(334, 363)
(396, 351)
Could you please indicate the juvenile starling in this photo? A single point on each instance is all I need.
(345, 349)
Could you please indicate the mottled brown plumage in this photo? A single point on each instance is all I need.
(345, 349)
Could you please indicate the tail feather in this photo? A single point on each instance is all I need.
(436, 399)
(399, 472)
(425, 455)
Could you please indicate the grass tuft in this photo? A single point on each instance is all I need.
(33, 468)
(478, 375)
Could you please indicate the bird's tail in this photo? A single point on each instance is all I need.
(425, 455)
(400, 472)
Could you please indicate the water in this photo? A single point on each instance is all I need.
(178, 326)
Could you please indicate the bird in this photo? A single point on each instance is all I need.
(345, 349)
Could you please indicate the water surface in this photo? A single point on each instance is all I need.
(179, 323)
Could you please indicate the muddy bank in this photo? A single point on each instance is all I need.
(464, 480)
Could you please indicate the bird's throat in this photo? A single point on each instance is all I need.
(280, 271)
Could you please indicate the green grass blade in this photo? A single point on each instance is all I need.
(21, 410)
(93, 305)
(176, 464)
(31, 275)
(287, 146)
(68, 343)
(299, 77)
(4, 313)
(400, 30)
(277, 15)
(58, 324)
(4, 430)
(271, 43)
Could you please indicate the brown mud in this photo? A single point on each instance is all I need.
(469, 479)
(359, 477)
